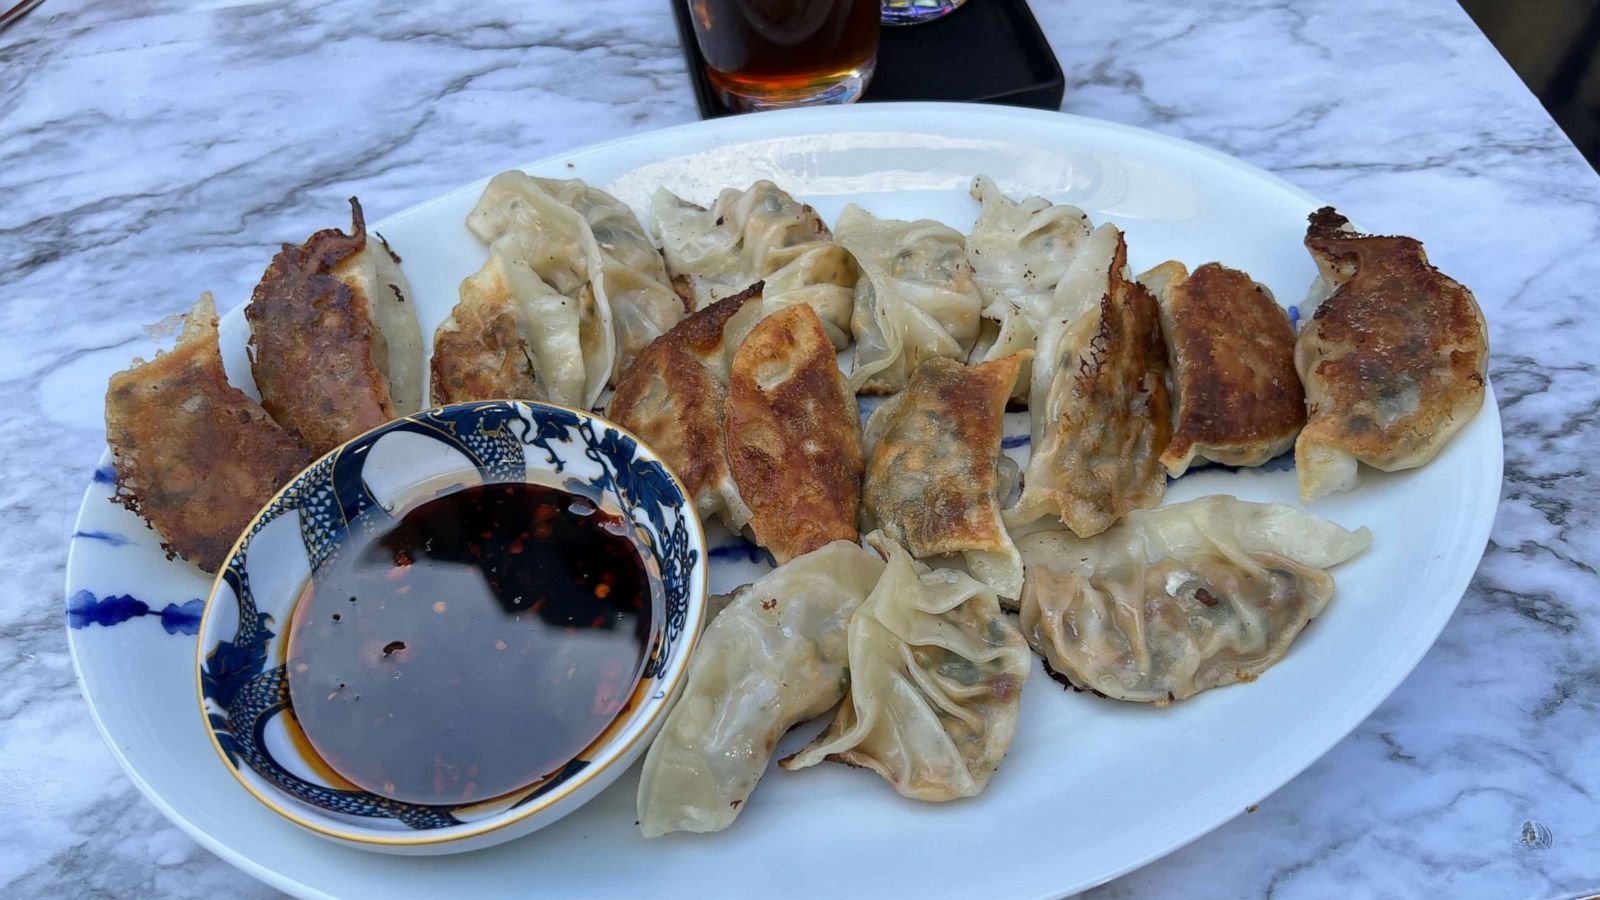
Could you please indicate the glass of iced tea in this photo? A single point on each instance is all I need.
(762, 54)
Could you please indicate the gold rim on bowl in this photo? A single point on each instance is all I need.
(671, 682)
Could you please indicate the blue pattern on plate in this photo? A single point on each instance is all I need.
(1294, 317)
(85, 609)
(242, 693)
(742, 550)
(1283, 462)
(110, 537)
(106, 474)
(1013, 441)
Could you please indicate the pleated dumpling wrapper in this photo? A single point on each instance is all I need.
(336, 348)
(675, 394)
(936, 673)
(773, 658)
(759, 234)
(1394, 355)
(1098, 400)
(915, 299)
(527, 221)
(633, 276)
(936, 476)
(195, 456)
(1019, 251)
(1236, 395)
(794, 435)
(1176, 600)
(511, 337)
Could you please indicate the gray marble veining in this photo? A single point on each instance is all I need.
(153, 148)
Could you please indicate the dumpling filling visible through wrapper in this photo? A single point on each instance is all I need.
(1176, 600)
(759, 234)
(936, 673)
(773, 658)
(915, 299)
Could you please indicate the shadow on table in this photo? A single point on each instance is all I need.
(1554, 45)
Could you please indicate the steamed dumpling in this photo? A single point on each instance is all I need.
(915, 299)
(760, 234)
(336, 348)
(936, 673)
(1019, 251)
(773, 658)
(511, 336)
(1393, 353)
(531, 227)
(1098, 398)
(934, 478)
(633, 275)
(1176, 600)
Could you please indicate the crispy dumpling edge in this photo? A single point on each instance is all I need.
(287, 455)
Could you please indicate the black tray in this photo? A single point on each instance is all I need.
(988, 51)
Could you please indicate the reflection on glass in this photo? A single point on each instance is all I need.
(910, 12)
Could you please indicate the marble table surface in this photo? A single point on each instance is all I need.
(151, 148)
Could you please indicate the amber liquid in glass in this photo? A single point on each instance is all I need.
(781, 52)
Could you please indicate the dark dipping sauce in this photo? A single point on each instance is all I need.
(472, 647)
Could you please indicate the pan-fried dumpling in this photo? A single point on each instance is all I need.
(1393, 359)
(336, 348)
(933, 467)
(1098, 400)
(531, 227)
(1019, 252)
(915, 298)
(773, 658)
(1231, 349)
(674, 396)
(761, 234)
(195, 456)
(794, 435)
(1176, 600)
(936, 673)
(511, 336)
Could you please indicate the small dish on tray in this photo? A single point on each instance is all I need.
(350, 509)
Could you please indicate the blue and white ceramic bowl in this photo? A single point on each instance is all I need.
(240, 675)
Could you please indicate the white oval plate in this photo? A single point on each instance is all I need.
(1091, 789)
